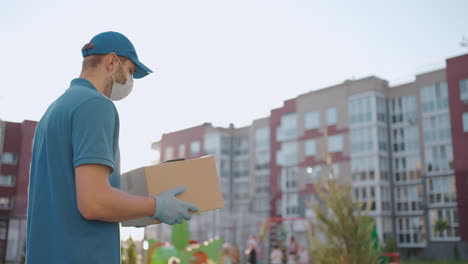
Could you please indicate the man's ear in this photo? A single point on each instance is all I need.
(110, 61)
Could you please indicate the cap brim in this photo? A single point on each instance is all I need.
(141, 70)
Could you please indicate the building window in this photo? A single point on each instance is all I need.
(289, 177)
(194, 148)
(382, 137)
(182, 151)
(262, 183)
(363, 169)
(312, 120)
(381, 109)
(310, 147)
(7, 180)
(288, 128)
(9, 158)
(465, 122)
(169, 153)
(331, 116)
(437, 128)
(262, 160)
(288, 155)
(262, 138)
(411, 230)
(291, 204)
(226, 145)
(224, 165)
(409, 198)
(464, 90)
(404, 109)
(434, 97)
(362, 139)
(384, 168)
(405, 139)
(364, 195)
(385, 195)
(241, 168)
(444, 224)
(335, 143)
(360, 110)
(439, 158)
(5, 203)
(407, 168)
(241, 145)
(442, 190)
(241, 190)
(211, 143)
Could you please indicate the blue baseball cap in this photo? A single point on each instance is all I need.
(108, 42)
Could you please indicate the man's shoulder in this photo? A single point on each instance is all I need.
(80, 97)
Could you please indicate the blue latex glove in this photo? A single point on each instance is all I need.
(171, 210)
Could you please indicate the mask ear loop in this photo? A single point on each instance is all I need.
(127, 73)
(112, 76)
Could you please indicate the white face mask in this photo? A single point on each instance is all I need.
(119, 90)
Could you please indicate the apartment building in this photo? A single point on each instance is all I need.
(15, 159)
(404, 148)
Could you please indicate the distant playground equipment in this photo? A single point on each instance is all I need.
(183, 250)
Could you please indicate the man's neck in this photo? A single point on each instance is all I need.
(101, 84)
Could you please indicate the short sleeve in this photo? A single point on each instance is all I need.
(93, 133)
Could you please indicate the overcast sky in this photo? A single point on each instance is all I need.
(219, 61)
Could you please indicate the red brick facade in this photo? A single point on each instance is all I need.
(457, 69)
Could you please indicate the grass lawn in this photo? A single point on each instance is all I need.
(433, 262)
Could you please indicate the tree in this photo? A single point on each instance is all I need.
(346, 228)
(129, 254)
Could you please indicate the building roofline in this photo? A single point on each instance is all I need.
(189, 128)
(430, 72)
(402, 85)
(457, 56)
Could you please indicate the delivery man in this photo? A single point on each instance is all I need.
(75, 204)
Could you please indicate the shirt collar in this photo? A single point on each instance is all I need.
(82, 82)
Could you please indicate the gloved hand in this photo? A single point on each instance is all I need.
(171, 210)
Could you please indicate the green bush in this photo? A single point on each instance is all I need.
(391, 245)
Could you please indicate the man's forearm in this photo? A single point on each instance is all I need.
(114, 205)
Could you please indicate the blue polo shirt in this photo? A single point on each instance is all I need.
(80, 127)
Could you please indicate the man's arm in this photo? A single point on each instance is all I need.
(98, 200)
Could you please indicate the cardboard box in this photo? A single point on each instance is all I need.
(199, 176)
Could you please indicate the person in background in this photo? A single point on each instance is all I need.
(276, 255)
(303, 255)
(254, 240)
(258, 249)
(233, 253)
(293, 249)
(226, 258)
(251, 253)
